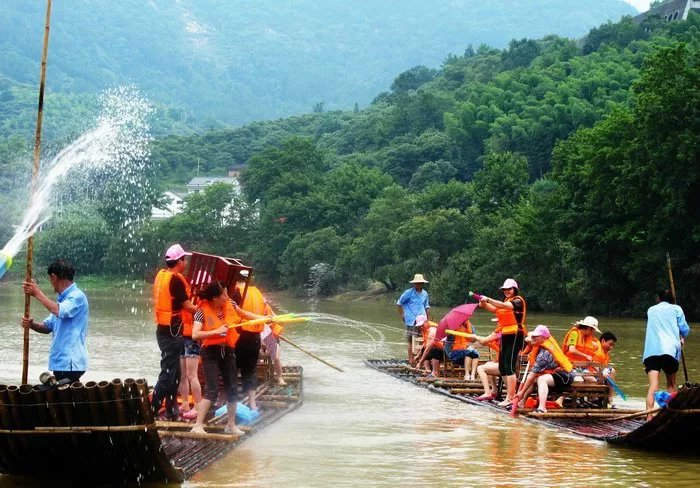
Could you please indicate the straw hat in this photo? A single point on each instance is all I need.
(589, 321)
(418, 278)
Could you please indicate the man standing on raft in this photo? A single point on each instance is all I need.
(412, 303)
(663, 343)
(510, 314)
(68, 321)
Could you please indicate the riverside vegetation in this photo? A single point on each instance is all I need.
(571, 165)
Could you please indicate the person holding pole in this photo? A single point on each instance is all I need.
(665, 335)
(68, 357)
(412, 303)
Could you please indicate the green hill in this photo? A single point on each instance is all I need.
(239, 61)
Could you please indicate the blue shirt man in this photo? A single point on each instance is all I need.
(68, 351)
(413, 303)
(666, 326)
(68, 322)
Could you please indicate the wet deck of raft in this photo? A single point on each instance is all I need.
(676, 427)
(106, 431)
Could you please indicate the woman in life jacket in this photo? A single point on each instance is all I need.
(211, 326)
(432, 351)
(581, 344)
(510, 314)
(461, 352)
(549, 367)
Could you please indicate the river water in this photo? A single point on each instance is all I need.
(365, 428)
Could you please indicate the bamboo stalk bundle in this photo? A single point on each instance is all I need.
(28, 406)
(272, 404)
(55, 413)
(195, 435)
(97, 428)
(92, 397)
(66, 404)
(14, 410)
(280, 398)
(8, 446)
(141, 387)
(42, 410)
(105, 396)
(117, 388)
(82, 409)
(466, 391)
(168, 424)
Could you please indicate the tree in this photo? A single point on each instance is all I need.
(501, 182)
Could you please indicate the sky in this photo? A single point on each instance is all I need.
(641, 5)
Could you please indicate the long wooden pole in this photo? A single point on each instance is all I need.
(310, 354)
(673, 294)
(35, 173)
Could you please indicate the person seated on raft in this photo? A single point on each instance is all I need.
(510, 314)
(580, 344)
(459, 350)
(549, 367)
(488, 372)
(432, 349)
(602, 357)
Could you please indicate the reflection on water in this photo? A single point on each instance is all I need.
(366, 428)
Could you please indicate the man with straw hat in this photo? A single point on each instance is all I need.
(412, 303)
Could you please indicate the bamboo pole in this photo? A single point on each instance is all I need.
(310, 354)
(169, 424)
(673, 294)
(195, 435)
(35, 174)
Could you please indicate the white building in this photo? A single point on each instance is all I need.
(672, 10)
(199, 183)
(174, 204)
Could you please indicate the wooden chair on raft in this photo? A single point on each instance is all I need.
(578, 394)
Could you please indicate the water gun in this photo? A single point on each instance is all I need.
(5, 263)
(476, 296)
(289, 318)
(460, 334)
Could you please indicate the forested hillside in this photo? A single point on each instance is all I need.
(239, 61)
(569, 166)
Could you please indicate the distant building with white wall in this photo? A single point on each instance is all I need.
(672, 10)
(174, 204)
(199, 183)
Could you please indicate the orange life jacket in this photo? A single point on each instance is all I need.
(254, 302)
(163, 301)
(589, 345)
(550, 344)
(508, 322)
(426, 331)
(212, 321)
(277, 329)
(601, 357)
(461, 343)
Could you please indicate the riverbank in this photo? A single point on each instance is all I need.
(86, 283)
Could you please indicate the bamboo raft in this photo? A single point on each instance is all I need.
(673, 428)
(106, 431)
